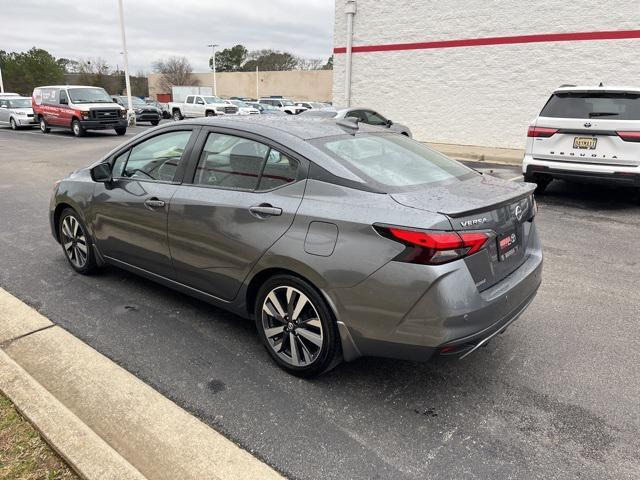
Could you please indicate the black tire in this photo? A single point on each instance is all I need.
(541, 181)
(44, 128)
(177, 115)
(77, 129)
(320, 358)
(209, 113)
(120, 130)
(14, 125)
(155, 122)
(72, 244)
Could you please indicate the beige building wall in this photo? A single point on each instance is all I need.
(294, 84)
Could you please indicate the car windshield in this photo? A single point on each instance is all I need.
(213, 100)
(603, 105)
(287, 103)
(89, 95)
(392, 160)
(239, 103)
(20, 103)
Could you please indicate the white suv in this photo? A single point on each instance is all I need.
(586, 133)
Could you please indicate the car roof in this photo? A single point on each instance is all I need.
(597, 88)
(290, 125)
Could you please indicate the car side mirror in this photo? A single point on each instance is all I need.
(101, 173)
(64, 101)
(389, 123)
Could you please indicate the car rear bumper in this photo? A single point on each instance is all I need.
(412, 311)
(587, 172)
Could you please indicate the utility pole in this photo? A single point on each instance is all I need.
(131, 116)
(257, 84)
(213, 67)
(1, 82)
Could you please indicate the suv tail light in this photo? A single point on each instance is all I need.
(629, 136)
(542, 132)
(435, 247)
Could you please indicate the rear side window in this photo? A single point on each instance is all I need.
(604, 105)
(230, 162)
(242, 164)
(392, 161)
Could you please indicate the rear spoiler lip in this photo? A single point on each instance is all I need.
(492, 206)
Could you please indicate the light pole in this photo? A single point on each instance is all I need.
(1, 82)
(213, 67)
(131, 116)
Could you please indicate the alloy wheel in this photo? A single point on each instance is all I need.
(292, 326)
(74, 241)
(13, 124)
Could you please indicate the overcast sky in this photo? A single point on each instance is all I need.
(161, 28)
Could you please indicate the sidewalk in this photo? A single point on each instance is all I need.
(102, 420)
(509, 156)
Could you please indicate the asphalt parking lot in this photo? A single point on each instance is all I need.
(555, 396)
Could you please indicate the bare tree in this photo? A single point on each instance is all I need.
(174, 71)
(310, 63)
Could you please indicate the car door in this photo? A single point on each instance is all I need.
(187, 108)
(242, 197)
(65, 112)
(130, 213)
(198, 107)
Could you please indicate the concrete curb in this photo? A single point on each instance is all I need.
(86, 406)
(84, 451)
(502, 156)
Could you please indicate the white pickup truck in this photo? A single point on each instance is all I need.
(201, 106)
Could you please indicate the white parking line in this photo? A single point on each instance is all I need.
(515, 179)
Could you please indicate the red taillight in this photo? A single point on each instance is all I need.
(629, 136)
(435, 247)
(542, 132)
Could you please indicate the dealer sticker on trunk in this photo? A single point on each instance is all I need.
(507, 245)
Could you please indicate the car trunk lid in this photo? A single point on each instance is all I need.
(503, 209)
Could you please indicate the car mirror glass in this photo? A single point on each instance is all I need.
(101, 173)
(389, 123)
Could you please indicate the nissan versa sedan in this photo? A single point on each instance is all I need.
(339, 239)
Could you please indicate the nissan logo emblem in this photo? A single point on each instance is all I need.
(518, 212)
(588, 124)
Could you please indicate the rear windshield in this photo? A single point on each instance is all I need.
(392, 161)
(616, 106)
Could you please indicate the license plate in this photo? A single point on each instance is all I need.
(507, 245)
(585, 143)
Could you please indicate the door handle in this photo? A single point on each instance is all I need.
(265, 210)
(153, 203)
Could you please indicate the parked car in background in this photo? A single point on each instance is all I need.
(163, 107)
(144, 112)
(9, 94)
(266, 109)
(16, 111)
(315, 106)
(243, 99)
(79, 108)
(339, 239)
(244, 108)
(364, 115)
(201, 106)
(283, 104)
(585, 134)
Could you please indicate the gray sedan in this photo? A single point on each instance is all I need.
(339, 239)
(364, 115)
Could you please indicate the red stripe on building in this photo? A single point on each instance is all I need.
(477, 42)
